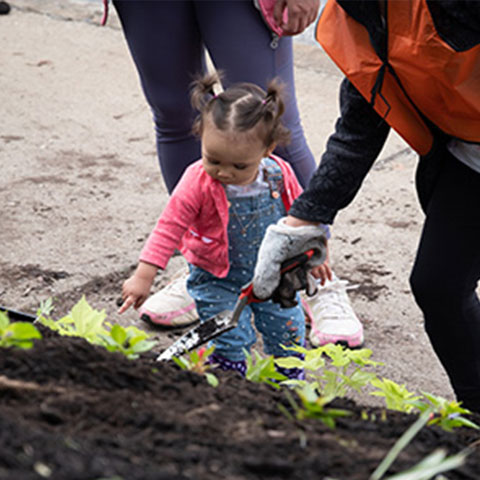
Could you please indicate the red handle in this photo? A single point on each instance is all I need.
(287, 265)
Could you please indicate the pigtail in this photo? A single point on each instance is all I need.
(201, 92)
(202, 96)
(274, 108)
(274, 98)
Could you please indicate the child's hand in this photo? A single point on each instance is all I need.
(134, 292)
(136, 289)
(323, 271)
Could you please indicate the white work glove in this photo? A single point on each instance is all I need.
(282, 242)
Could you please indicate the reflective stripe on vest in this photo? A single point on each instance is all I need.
(443, 84)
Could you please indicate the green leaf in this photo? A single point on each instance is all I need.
(435, 463)
(181, 362)
(289, 362)
(4, 321)
(144, 346)
(212, 379)
(19, 334)
(88, 321)
(118, 333)
(82, 321)
(397, 397)
(45, 308)
(400, 444)
(24, 331)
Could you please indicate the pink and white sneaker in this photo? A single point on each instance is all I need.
(332, 317)
(170, 307)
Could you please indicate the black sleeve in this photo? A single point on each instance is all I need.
(457, 22)
(359, 136)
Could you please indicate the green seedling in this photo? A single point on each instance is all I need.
(432, 466)
(17, 334)
(446, 414)
(46, 308)
(130, 341)
(346, 368)
(314, 406)
(197, 361)
(429, 468)
(86, 322)
(263, 370)
(82, 321)
(397, 397)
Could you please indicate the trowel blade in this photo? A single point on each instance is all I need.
(199, 335)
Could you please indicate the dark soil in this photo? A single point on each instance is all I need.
(69, 410)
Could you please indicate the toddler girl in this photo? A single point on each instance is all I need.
(218, 213)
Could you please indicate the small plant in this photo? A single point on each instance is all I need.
(46, 307)
(263, 370)
(130, 341)
(348, 370)
(198, 361)
(86, 322)
(429, 467)
(432, 465)
(314, 406)
(17, 334)
(82, 321)
(397, 397)
(446, 414)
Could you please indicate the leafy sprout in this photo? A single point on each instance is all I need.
(345, 369)
(130, 341)
(17, 334)
(86, 322)
(397, 397)
(263, 370)
(446, 414)
(198, 361)
(82, 321)
(313, 405)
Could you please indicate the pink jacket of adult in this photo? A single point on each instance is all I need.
(195, 220)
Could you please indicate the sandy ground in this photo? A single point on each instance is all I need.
(81, 189)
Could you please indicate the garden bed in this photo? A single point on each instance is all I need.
(72, 410)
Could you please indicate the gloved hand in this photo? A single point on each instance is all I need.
(280, 243)
(290, 283)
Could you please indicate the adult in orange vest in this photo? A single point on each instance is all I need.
(413, 65)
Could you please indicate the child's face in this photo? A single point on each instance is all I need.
(232, 159)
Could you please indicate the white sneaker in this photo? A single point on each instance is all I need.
(172, 306)
(332, 317)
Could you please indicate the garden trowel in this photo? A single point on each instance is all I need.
(226, 320)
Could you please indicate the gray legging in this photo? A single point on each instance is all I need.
(166, 40)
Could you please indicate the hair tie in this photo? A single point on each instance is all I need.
(264, 101)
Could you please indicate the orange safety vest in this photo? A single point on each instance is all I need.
(421, 72)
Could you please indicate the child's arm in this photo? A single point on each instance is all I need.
(136, 289)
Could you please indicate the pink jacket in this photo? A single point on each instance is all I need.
(195, 220)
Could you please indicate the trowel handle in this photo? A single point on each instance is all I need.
(296, 261)
(287, 266)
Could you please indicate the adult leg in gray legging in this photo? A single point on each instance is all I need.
(167, 40)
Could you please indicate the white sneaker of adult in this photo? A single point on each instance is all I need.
(332, 317)
(172, 306)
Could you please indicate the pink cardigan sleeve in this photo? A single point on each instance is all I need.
(178, 215)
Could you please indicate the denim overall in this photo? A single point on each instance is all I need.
(249, 217)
